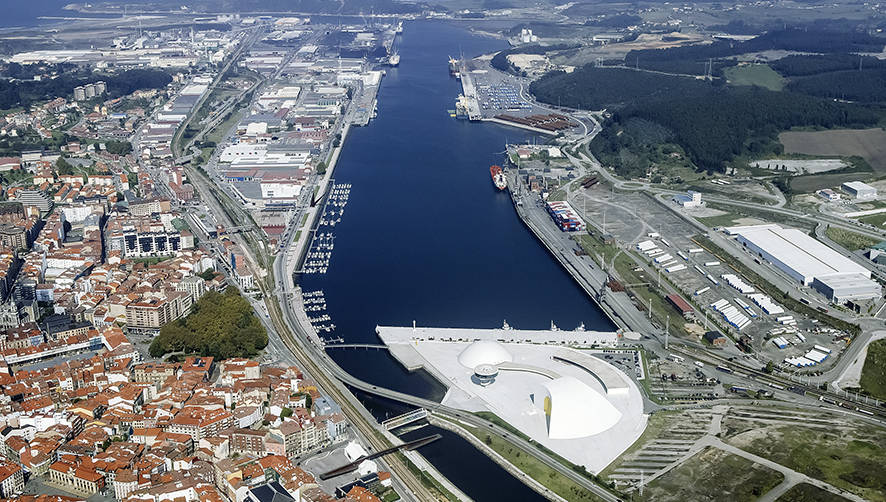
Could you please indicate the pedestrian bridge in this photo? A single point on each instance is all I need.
(405, 419)
(354, 346)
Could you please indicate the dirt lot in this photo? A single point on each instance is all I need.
(867, 143)
(845, 453)
(709, 475)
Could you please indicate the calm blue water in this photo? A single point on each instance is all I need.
(17, 13)
(426, 237)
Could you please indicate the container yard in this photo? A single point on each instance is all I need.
(565, 217)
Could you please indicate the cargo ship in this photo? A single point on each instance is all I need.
(453, 67)
(498, 177)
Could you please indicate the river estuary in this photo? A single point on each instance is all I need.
(426, 237)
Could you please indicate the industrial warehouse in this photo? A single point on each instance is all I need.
(809, 262)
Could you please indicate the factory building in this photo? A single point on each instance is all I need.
(809, 262)
(859, 190)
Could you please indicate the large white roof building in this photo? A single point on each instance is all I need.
(809, 261)
(795, 252)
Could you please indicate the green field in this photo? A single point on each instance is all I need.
(877, 220)
(850, 240)
(721, 220)
(873, 375)
(760, 75)
(710, 475)
(531, 466)
(804, 492)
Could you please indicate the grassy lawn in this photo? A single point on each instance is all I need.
(530, 465)
(805, 492)
(722, 220)
(847, 455)
(873, 375)
(850, 240)
(876, 220)
(389, 495)
(711, 474)
(760, 75)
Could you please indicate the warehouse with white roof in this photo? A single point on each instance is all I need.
(809, 261)
(860, 190)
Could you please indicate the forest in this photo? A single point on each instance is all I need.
(798, 65)
(597, 88)
(867, 86)
(221, 325)
(24, 93)
(712, 123)
(688, 59)
(790, 39)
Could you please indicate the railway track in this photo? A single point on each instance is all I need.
(773, 381)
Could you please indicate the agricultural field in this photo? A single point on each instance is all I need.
(869, 144)
(760, 75)
(710, 474)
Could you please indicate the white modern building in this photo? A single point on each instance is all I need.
(859, 190)
(539, 381)
(690, 200)
(808, 261)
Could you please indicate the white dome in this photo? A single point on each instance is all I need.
(575, 410)
(484, 352)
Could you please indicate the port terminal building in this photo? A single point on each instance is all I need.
(809, 261)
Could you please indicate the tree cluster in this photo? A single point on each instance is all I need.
(118, 147)
(27, 92)
(221, 325)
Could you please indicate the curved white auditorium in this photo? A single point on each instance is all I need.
(574, 410)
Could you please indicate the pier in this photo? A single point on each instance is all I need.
(470, 93)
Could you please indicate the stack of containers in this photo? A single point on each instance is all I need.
(565, 217)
